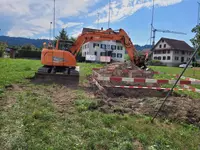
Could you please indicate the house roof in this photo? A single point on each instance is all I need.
(176, 44)
(89, 30)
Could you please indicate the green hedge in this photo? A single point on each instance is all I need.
(37, 55)
(28, 54)
(155, 63)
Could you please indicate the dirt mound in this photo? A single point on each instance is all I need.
(176, 108)
(127, 69)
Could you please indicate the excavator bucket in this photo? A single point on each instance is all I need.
(69, 79)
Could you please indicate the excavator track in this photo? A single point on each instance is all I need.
(69, 78)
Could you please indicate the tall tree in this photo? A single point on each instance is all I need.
(63, 35)
(196, 40)
(73, 39)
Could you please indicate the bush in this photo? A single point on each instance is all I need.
(79, 58)
(28, 54)
(126, 57)
(155, 63)
(196, 64)
(2, 49)
(1, 53)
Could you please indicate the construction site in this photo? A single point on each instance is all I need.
(59, 102)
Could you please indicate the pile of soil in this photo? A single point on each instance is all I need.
(127, 69)
(176, 108)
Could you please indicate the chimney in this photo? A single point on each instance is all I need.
(101, 28)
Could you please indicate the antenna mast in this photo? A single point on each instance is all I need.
(54, 18)
(109, 15)
(152, 21)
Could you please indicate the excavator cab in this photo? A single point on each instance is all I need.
(64, 45)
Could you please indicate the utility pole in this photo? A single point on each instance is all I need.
(98, 20)
(54, 18)
(50, 32)
(152, 21)
(198, 23)
(198, 19)
(109, 14)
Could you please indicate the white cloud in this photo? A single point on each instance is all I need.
(71, 24)
(44, 37)
(124, 8)
(76, 32)
(32, 17)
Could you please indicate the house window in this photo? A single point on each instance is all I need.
(168, 51)
(113, 54)
(108, 47)
(183, 52)
(95, 53)
(176, 52)
(155, 58)
(165, 45)
(113, 47)
(176, 58)
(119, 47)
(164, 52)
(159, 58)
(163, 41)
(103, 46)
(160, 46)
(95, 45)
(102, 54)
(119, 55)
(168, 58)
(164, 58)
(155, 52)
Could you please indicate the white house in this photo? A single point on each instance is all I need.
(113, 49)
(172, 52)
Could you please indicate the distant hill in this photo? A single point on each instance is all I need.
(18, 41)
(139, 48)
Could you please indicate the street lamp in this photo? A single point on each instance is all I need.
(50, 31)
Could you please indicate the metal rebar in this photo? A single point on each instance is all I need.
(169, 93)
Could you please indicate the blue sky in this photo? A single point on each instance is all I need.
(31, 18)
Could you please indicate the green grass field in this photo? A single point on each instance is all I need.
(190, 72)
(39, 117)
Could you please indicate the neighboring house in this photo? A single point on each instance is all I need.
(114, 49)
(172, 52)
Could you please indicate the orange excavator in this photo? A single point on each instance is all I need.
(61, 60)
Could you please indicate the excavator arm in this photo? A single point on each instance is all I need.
(107, 35)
